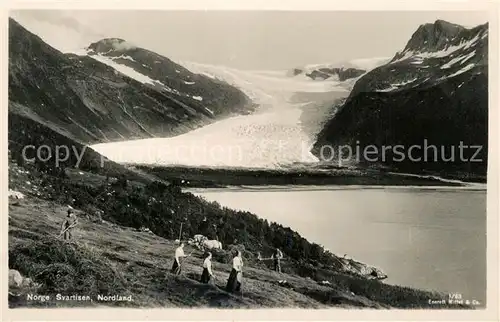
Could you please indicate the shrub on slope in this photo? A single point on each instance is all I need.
(163, 208)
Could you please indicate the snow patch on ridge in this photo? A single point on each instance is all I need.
(397, 86)
(459, 59)
(449, 50)
(132, 73)
(125, 70)
(124, 57)
(463, 70)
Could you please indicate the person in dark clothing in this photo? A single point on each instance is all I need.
(204, 226)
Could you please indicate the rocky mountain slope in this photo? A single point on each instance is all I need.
(116, 92)
(28, 134)
(340, 71)
(323, 73)
(435, 90)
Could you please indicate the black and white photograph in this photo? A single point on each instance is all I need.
(225, 159)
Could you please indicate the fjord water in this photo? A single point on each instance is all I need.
(433, 239)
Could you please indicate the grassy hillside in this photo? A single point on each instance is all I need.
(128, 262)
(112, 257)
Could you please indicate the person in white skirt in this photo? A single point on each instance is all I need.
(236, 277)
(207, 276)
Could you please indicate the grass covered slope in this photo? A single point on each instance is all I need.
(112, 257)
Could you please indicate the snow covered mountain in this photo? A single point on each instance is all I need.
(166, 76)
(112, 91)
(267, 87)
(435, 89)
(434, 53)
(280, 133)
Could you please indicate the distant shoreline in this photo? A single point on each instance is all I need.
(262, 188)
(304, 179)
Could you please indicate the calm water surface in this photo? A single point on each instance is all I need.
(429, 239)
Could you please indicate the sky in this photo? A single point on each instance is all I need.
(258, 40)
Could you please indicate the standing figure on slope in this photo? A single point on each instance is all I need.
(207, 275)
(69, 223)
(236, 277)
(179, 253)
(277, 256)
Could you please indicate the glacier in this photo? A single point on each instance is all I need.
(272, 137)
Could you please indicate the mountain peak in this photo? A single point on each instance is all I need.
(111, 44)
(433, 36)
(445, 25)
